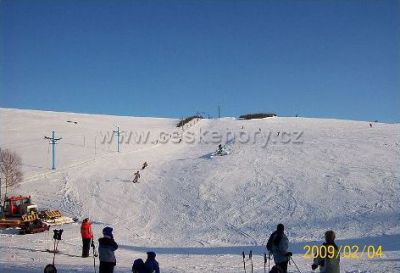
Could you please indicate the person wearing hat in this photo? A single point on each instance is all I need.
(278, 245)
(107, 246)
(328, 262)
(87, 236)
(151, 264)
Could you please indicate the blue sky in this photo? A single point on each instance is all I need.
(338, 59)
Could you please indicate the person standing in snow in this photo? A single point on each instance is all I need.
(331, 262)
(87, 236)
(278, 245)
(151, 264)
(136, 178)
(144, 165)
(107, 246)
(138, 266)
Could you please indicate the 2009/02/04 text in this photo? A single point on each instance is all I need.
(343, 251)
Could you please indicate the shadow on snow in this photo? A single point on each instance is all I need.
(388, 242)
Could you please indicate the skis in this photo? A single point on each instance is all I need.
(50, 268)
(95, 254)
(244, 261)
(250, 259)
(61, 253)
(57, 238)
(267, 259)
(265, 262)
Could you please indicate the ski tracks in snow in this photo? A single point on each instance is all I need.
(71, 202)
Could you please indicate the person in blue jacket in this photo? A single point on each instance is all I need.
(151, 264)
(107, 246)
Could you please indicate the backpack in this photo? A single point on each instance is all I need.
(270, 241)
(50, 268)
(274, 240)
(138, 266)
(269, 245)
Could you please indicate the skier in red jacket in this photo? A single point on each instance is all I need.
(87, 236)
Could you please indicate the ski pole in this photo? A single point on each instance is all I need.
(295, 264)
(94, 255)
(269, 261)
(265, 262)
(251, 260)
(244, 261)
(54, 250)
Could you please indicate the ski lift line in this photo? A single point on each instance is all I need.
(35, 144)
(21, 144)
(37, 176)
(73, 144)
(106, 155)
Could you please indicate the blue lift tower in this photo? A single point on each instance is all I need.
(53, 141)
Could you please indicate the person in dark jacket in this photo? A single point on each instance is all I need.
(151, 264)
(107, 246)
(138, 266)
(278, 245)
(87, 236)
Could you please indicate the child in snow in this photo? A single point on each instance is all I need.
(107, 246)
(87, 236)
(331, 262)
(278, 245)
(151, 264)
(138, 266)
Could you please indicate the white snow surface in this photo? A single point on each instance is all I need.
(199, 213)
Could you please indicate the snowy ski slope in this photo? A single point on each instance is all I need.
(199, 213)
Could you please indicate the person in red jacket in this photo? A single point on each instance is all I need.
(87, 236)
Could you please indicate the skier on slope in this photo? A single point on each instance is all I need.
(87, 237)
(151, 264)
(278, 245)
(144, 165)
(136, 178)
(107, 246)
(329, 264)
(220, 149)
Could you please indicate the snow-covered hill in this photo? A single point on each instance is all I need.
(310, 174)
